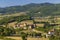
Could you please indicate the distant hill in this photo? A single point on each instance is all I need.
(34, 9)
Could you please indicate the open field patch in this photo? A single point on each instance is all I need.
(37, 38)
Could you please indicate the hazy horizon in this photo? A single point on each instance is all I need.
(7, 3)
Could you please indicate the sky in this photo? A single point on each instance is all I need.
(7, 3)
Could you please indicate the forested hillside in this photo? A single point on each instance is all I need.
(42, 9)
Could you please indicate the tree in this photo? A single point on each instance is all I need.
(24, 36)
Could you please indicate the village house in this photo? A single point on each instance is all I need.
(21, 25)
(50, 32)
(25, 25)
(31, 26)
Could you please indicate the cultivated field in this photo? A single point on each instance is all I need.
(15, 14)
(12, 24)
(29, 38)
(27, 21)
(37, 38)
(16, 38)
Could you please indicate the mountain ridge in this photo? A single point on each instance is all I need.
(44, 8)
